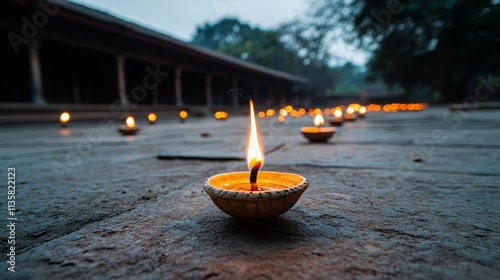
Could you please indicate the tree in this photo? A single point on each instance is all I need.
(271, 48)
(308, 42)
(240, 40)
(443, 44)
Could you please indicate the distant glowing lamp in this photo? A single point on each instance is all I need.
(318, 133)
(152, 118)
(182, 116)
(130, 128)
(64, 118)
(362, 111)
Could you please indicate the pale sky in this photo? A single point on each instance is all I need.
(179, 18)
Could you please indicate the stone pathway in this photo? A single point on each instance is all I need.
(402, 195)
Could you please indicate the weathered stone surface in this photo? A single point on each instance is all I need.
(370, 210)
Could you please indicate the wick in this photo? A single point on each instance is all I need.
(253, 176)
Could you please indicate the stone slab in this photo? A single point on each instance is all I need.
(118, 212)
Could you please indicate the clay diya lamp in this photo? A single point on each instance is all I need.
(255, 196)
(361, 112)
(64, 119)
(349, 114)
(221, 115)
(129, 128)
(318, 133)
(337, 118)
(152, 118)
(183, 116)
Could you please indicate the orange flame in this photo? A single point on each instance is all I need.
(130, 122)
(65, 117)
(152, 117)
(362, 110)
(338, 113)
(254, 149)
(319, 120)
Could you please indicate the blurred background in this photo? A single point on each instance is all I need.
(90, 55)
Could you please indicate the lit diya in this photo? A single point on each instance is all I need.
(349, 114)
(221, 115)
(129, 128)
(337, 118)
(252, 195)
(318, 133)
(152, 118)
(182, 116)
(64, 119)
(362, 112)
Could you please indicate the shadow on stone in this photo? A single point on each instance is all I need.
(222, 232)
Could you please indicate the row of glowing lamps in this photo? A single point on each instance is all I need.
(130, 127)
(130, 121)
(338, 111)
(290, 111)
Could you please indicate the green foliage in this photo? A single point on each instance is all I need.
(350, 78)
(444, 45)
(264, 47)
(240, 40)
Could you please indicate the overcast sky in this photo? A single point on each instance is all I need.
(179, 18)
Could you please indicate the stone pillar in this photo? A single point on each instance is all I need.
(122, 86)
(178, 86)
(36, 73)
(208, 90)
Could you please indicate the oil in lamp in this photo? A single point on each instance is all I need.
(252, 195)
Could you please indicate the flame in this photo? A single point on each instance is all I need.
(283, 112)
(362, 110)
(319, 120)
(270, 112)
(152, 117)
(338, 113)
(64, 117)
(220, 115)
(350, 110)
(183, 114)
(254, 150)
(130, 122)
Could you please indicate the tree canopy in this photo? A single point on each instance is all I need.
(271, 48)
(443, 45)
